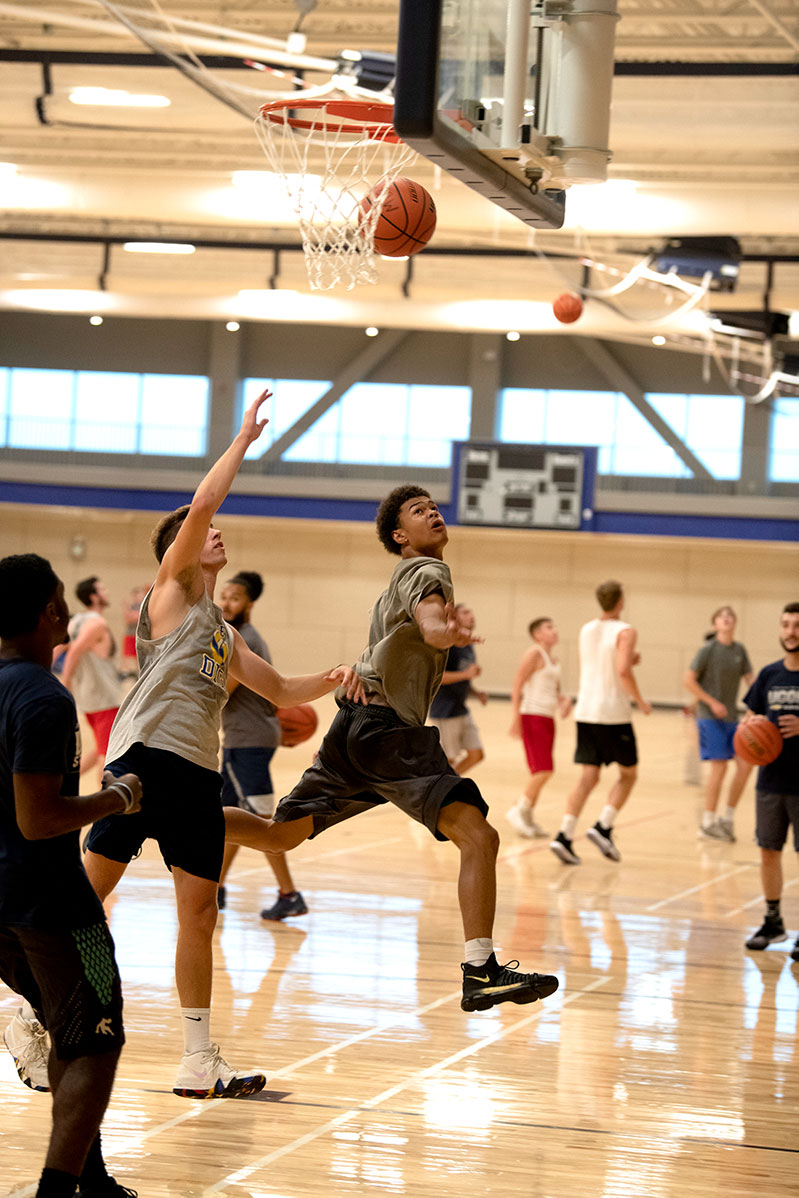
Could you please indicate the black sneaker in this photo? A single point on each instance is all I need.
(772, 931)
(286, 906)
(795, 951)
(603, 839)
(107, 1188)
(562, 847)
(221, 898)
(486, 985)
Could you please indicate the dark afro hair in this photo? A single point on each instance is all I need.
(252, 583)
(388, 514)
(27, 584)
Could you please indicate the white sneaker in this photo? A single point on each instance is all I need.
(520, 817)
(711, 831)
(206, 1074)
(29, 1045)
(726, 827)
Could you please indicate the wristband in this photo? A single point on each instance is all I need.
(126, 794)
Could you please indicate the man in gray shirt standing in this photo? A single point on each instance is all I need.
(714, 677)
(251, 733)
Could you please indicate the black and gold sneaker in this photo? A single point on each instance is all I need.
(486, 985)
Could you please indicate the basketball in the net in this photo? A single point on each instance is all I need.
(407, 219)
(758, 741)
(568, 307)
(297, 724)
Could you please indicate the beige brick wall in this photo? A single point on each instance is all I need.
(322, 576)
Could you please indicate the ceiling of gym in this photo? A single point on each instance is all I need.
(697, 150)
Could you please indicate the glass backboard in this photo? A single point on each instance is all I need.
(510, 96)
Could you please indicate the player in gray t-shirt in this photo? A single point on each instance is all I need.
(713, 678)
(384, 752)
(251, 732)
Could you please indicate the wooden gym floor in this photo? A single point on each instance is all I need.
(665, 1066)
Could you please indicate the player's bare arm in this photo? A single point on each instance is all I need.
(89, 637)
(180, 581)
(43, 812)
(532, 660)
(625, 658)
(250, 670)
(439, 625)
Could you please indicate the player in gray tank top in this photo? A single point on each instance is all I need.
(169, 724)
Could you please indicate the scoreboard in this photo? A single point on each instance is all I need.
(524, 486)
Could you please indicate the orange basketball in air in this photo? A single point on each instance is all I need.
(758, 741)
(568, 307)
(407, 219)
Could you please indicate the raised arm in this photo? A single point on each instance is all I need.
(250, 670)
(626, 658)
(439, 625)
(184, 553)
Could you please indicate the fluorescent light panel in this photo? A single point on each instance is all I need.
(157, 247)
(108, 97)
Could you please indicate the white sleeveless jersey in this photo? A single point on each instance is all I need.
(176, 702)
(540, 691)
(95, 683)
(601, 699)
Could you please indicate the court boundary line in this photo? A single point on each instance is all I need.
(702, 886)
(413, 1078)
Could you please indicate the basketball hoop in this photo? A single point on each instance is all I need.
(331, 151)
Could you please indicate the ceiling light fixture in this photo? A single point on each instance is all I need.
(157, 247)
(107, 97)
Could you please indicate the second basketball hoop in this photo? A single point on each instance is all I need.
(331, 152)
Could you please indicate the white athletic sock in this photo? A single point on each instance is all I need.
(608, 817)
(729, 814)
(27, 1011)
(524, 804)
(708, 819)
(479, 950)
(568, 826)
(196, 1028)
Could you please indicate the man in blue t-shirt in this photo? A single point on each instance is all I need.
(55, 947)
(460, 738)
(775, 694)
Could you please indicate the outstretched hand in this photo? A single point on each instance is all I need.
(457, 634)
(251, 426)
(350, 682)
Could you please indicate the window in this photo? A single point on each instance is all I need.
(783, 464)
(386, 424)
(103, 411)
(710, 425)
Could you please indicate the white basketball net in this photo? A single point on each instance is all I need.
(331, 152)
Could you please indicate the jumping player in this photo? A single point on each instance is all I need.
(167, 732)
(384, 753)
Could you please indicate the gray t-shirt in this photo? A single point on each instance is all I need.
(397, 667)
(248, 720)
(719, 670)
(176, 702)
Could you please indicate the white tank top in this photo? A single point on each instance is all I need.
(540, 691)
(601, 699)
(176, 702)
(95, 683)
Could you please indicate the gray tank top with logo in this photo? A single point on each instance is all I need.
(176, 703)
